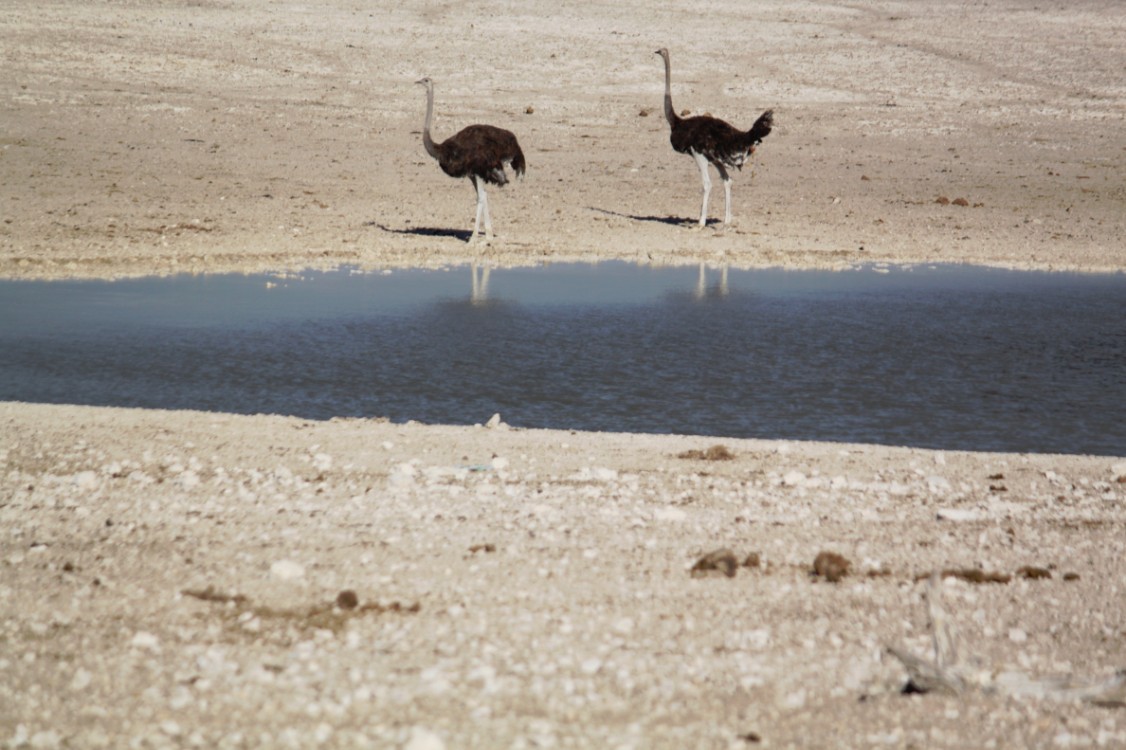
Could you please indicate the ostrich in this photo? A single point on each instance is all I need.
(709, 139)
(479, 152)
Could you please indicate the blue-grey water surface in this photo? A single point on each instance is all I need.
(942, 357)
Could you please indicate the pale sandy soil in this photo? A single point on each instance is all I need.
(206, 136)
(166, 578)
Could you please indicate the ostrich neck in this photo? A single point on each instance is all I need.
(427, 141)
(670, 113)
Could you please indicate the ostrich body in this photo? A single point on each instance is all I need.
(479, 152)
(710, 140)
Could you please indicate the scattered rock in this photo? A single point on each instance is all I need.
(669, 514)
(424, 739)
(487, 547)
(957, 515)
(969, 575)
(1071, 576)
(209, 594)
(753, 560)
(81, 680)
(942, 200)
(529, 110)
(145, 642)
(494, 422)
(287, 570)
(1033, 572)
(347, 599)
(716, 563)
(830, 566)
(715, 453)
(794, 479)
(960, 202)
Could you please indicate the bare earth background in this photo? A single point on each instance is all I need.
(169, 579)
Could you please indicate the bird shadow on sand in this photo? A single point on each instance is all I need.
(461, 234)
(676, 221)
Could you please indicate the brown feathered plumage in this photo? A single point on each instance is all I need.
(712, 141)
(479, 152)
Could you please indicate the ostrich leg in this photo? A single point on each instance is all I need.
(480, 190)
(488, 219)
(726, 193)
(702, 162)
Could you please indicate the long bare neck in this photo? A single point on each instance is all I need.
(427, 141)
(670, 113)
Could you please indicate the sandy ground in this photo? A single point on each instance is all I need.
(179, 579)
(143, 137)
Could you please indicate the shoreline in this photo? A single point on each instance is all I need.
(444, 260)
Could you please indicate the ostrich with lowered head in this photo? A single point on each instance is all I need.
(711, 140)
(479, 152)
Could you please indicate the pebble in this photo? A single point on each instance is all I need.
(669, 514)
(287, 570)
(424, 739)
(957, 515)
(793, 479)
(146, 642)
(81, 680)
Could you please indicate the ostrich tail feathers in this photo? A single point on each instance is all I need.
(762, 127)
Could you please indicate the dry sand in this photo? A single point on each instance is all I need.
(169, 579)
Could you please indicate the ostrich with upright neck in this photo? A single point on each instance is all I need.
(479, 152)
(710, 140)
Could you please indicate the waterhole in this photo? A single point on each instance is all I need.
(927, 356)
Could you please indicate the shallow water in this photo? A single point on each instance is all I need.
(941, 357)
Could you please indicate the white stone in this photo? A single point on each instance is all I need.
(287, 570)
(939, 485)
(669, 514)
(494, 421)
(958, 514)
(424, 739)
(793, 479)
(623, 626)
(1118, 470)
(793, 701)
(85, 480)
(46, 740)
(402, 475)
(1016, 635)
(81, 680)
(145, 641)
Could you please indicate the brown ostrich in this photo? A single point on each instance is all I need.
(711, 140)
(479, 152)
